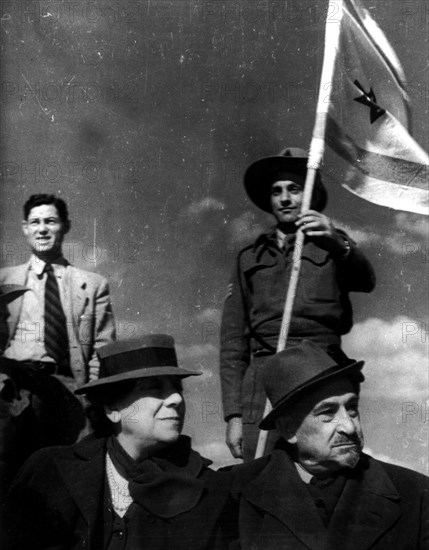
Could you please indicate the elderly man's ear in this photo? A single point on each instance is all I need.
(285, 428)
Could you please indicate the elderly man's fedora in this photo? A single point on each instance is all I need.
(260, 175)
(152, 355)
(291, 373)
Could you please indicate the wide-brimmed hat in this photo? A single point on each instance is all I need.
(291, 373)
(260, 175)
(151, 355)
(9, 292)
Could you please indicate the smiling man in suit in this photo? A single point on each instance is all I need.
(318, 490)
(50, 333)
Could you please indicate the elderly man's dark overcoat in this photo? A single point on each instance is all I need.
(382, 507)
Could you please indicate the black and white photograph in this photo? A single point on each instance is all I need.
(214, 295)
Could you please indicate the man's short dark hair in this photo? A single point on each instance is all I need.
(43, 198)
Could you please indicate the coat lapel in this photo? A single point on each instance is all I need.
(280, 492)
(83, 475)
(77, 297)
(368, 507)
(19, 277)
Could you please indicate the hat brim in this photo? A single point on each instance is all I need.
(259, 176)
(138, 373)
(268, 423)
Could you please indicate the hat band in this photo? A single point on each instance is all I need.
(308, 384)
(137, 359)
(283, 175)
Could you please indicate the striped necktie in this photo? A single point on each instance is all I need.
(56, 338)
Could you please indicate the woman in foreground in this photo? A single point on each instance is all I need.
(135, 483)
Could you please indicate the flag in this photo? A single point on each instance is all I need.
(363, 114)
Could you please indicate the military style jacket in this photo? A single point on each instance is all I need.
(254, 305)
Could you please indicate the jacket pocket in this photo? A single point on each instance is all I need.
(252, 392)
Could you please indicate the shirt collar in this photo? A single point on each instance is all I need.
(266, 238)
(303, 473)
(276, 238)
(280, 237)
(37, 265)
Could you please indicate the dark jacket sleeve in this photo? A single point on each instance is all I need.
(31, 521)
(234, 347)
(226, 531)
(355, 273)
(413, 488)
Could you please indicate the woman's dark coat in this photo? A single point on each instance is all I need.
(56, 503)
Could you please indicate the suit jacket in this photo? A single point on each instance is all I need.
(87, 309)
(56, 503)
(382, 507)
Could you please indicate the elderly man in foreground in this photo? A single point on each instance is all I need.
(318, 490)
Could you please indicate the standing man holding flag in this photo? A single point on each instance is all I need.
(332, 266)
(363, 115)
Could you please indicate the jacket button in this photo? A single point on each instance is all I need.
(119, 535)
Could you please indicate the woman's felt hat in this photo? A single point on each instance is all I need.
(151, 355)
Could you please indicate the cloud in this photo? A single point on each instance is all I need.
(362, 236)
(244, 229)
(209, 315)
(386, 458)
(208, 204)
(359, 235)
(394, 242)
(396, 355)
(194, 351)
(218, 452)
(409, 235)
(413, 223)
(199, 357)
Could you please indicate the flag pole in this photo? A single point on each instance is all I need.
(332, 32)
(290, 296)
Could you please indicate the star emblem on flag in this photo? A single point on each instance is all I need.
(369, 99)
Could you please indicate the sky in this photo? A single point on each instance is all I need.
(143, 115)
